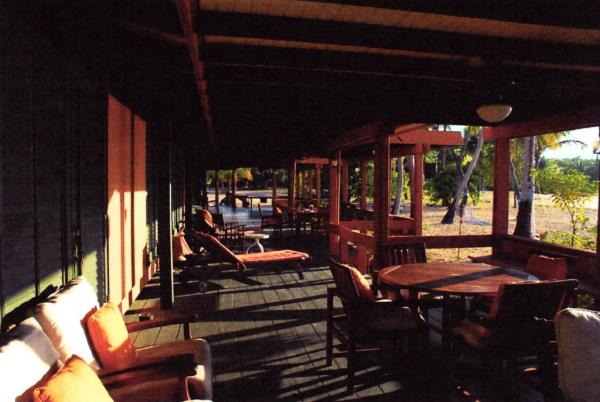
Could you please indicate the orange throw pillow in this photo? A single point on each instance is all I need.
(362, 285)
(74, 382)
(110, 339)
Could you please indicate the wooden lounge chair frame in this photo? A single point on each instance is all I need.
(242, 261)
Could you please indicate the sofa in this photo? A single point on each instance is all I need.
(55, 335)
(578, 344)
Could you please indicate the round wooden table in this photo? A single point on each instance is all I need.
(463, 279)
(449, 279)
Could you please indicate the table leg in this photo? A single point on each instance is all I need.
(257, 245)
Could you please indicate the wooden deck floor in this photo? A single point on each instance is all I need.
(267, 333)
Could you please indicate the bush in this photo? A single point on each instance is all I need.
(442, 186)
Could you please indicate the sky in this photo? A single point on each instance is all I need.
(586, 135)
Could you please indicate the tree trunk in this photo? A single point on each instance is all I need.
(514, 183)
(399, 184)
(462, 185)
(525, 226)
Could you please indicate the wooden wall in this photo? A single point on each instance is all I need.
(52, 155)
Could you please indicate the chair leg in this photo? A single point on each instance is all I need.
(299, 269)
(351, 365)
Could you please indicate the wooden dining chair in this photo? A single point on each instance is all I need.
(544, 267)
(365, 319)
(517, 325)
(395, 254)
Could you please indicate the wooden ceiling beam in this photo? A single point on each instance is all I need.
(447, 138)
(419, 40)
(184, 9)
(583, 118)
(563, 13)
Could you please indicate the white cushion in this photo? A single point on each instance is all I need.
(61, 317)
(578, 337)
(25, 358)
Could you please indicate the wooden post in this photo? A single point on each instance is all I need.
(163, 195)
(501, 186)
(382, 184)
(318, 174)
(344, 182)
(309, 179)
(416, 202)
(217, 184)
(292, 185)
(598, 220)
(233, 188)
(274, 188)
(203, 189)
(363, 184)
(334, 200)
(188, 189)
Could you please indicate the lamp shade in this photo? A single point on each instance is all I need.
(494, 113)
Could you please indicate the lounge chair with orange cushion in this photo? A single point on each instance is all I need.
(243, 261)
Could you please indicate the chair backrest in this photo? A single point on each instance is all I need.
(518, 307)
(399, 254)
(547, 268)
(346, 285)
(215, 247)
(204, 222)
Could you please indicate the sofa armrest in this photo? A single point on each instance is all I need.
(161, 318)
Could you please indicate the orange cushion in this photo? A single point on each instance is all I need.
(547, 268)
(362, 285)
(277, 211)
(272, 256)
(75, 382)
(180, 248)
(110, 339)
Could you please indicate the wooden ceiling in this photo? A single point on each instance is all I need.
(274, 80)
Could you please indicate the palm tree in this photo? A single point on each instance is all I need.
(532, 149)
(464, 177)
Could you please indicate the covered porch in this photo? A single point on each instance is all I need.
(113, 113)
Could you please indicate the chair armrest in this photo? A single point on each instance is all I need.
(161, 318)
(178, 364)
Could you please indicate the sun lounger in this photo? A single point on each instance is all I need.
(243, 261)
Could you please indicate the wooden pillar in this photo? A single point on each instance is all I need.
(203, 188)
(318, 174)
(363, 184)
(274, 187)
(188, 190)
(382, 185)
(416, 202)
(334, 200)
(344, 182)
(233, 187)
(292, 185)
(310, 184)
(217, 185)
(501, 186)
(163, 195)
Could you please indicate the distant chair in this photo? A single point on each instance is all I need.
(274, 221)
(230, 234)
(366, 320)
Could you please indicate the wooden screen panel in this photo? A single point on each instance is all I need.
(126, 205)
